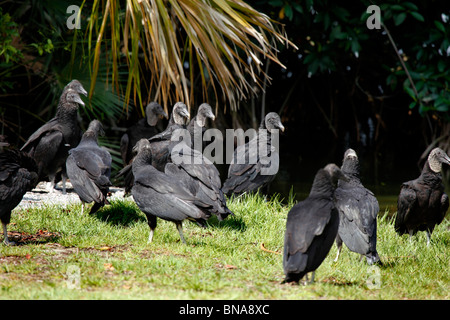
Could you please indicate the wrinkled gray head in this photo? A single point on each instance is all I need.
(180, 113)
(77, 86)
(96, 127)
(73, 97)
(141, 145)
(153, 112)
(273, 121)
(350, 163)
(350, 153)
(436, 158)
(335, 173)
(204, 112)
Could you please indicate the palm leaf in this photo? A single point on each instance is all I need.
(226, 39)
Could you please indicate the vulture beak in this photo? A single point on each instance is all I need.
(78, 100)
(185, 114)
(445, 159)
(281, 127)
(163, 115)
(84, 92)
(211, 116)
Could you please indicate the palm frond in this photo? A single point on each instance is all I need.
(167, 43)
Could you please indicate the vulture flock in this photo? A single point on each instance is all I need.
(338, 209)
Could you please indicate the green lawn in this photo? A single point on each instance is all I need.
(106, 256)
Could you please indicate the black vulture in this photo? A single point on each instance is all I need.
(196, 126)
(312, 226)
(358, 209)
(89, 168)
(200, 177)
(160, 144)
(49, 145)
(160, 195)
(246, 171)
(423, 203)
(18, 174)
(144, 128)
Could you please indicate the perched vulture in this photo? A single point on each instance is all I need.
(254, 167)
(49, 145)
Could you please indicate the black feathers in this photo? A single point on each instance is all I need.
(422, 203)
(18, 174)
(144, 128)
(358, 209)
(311, 226)
(160, 143)
(89, 168)
(160, 195)
(50, 144)
(255, 163)
(200, 177)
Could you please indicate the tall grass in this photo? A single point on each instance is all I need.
(112, 259)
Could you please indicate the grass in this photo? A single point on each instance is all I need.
(106, 256)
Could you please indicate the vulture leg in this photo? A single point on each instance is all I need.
(180, 231)
(51, 184)
(5, 234)
(64, 180)
(152, 224)
(428, 237)
(410, 236)
(150, 235)
(339, 247)
(312, 277)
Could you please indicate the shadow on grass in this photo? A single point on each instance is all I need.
(231, 222)
(120, 213)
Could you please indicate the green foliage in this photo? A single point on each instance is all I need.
(8, 31)
(333, 34)
(9, 54)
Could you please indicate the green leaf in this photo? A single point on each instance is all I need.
(356, 47)
(288, 11)
(336, 33)
(410, 6)
(309, 58)
(398, 20)
(417, 16)
(439, 25)
(397, 7)
(391, 81)
(443, 107)
(410, 92)
(298, 8)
